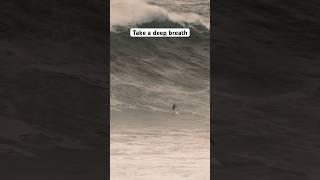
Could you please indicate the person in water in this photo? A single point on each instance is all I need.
(174, 106)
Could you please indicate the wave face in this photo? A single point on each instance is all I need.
(148, 76)
(150, 73)
(155, 73)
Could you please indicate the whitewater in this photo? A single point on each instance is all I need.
(134, 12)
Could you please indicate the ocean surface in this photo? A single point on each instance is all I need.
(150, 141)
(53, 90)
(266, 89)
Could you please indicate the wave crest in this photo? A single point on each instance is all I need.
(134, 12)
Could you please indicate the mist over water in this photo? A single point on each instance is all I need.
(149, 140)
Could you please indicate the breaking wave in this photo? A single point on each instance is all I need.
(128, 13)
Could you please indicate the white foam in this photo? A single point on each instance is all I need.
(133, 12)
(156, 153)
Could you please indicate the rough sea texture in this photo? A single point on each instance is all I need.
(266, 89)
(53, 90)
(149, 141)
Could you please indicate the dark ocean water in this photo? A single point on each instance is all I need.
(266, 89)
(53, 90)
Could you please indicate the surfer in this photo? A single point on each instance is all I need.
(174, 107)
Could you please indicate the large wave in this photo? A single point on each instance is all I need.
(126, 13)
(153, 73)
